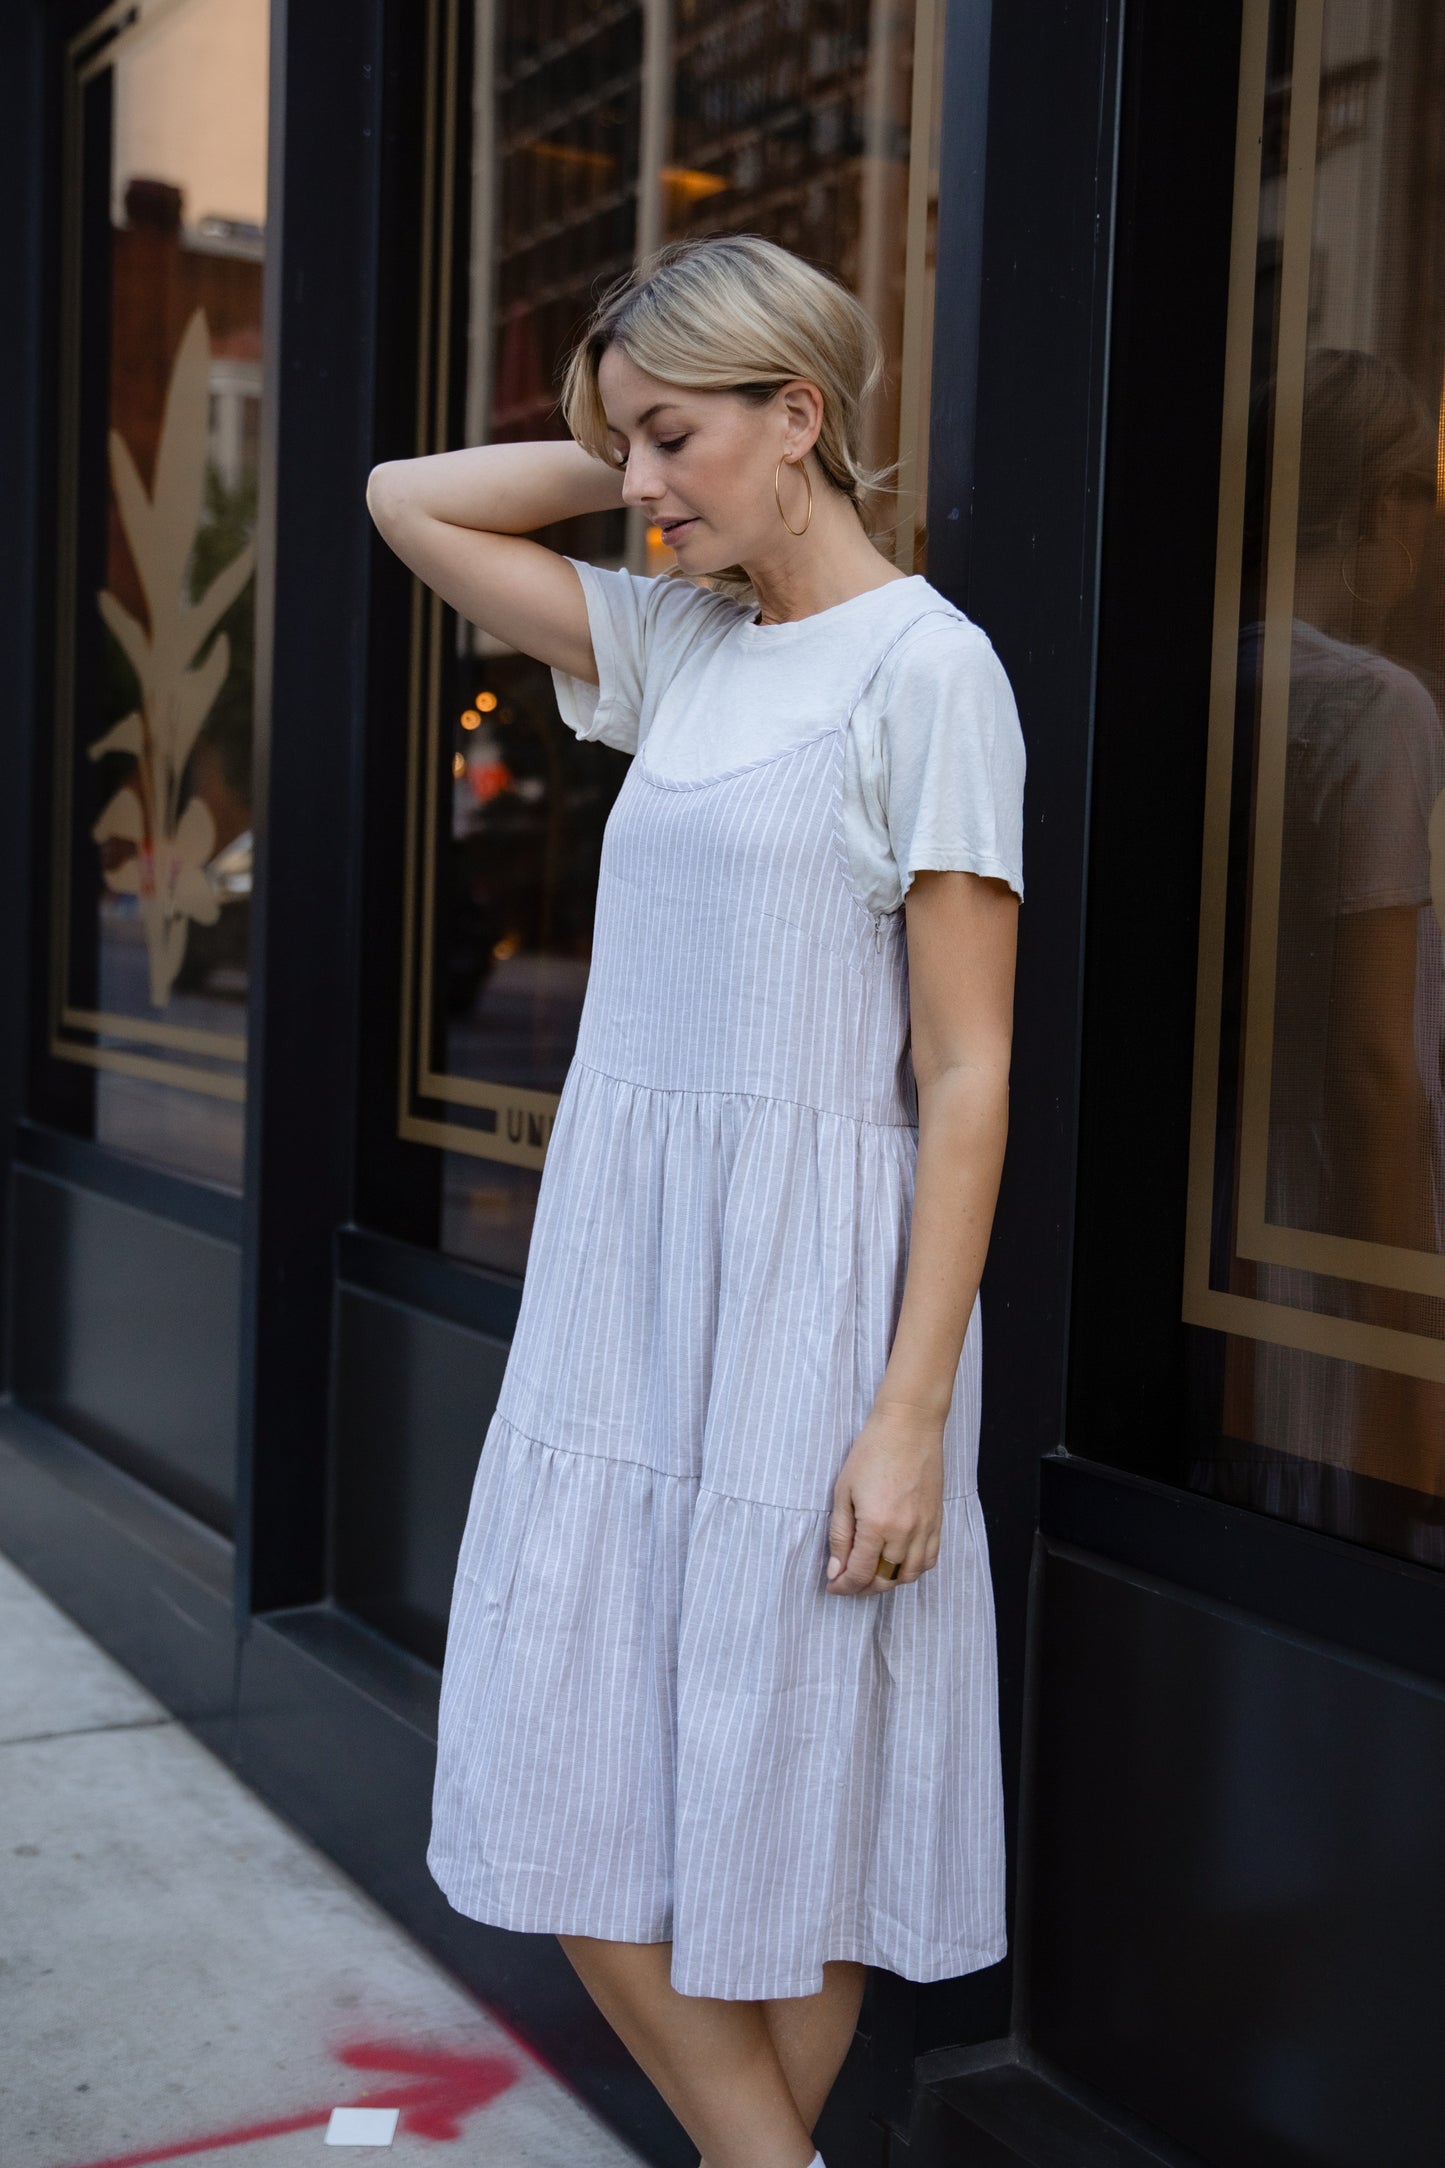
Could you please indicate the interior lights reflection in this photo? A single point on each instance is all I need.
(691, 185)
(486, 702)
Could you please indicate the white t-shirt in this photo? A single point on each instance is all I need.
(934, 762)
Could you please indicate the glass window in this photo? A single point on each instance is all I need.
(1316, 1211)
(581, 138)
(163, 217)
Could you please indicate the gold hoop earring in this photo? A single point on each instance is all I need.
(779, 495)
(1374, 601)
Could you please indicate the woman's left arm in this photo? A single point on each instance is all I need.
(962, 931)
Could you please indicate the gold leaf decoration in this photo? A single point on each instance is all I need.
(172, 843)
(128, 736)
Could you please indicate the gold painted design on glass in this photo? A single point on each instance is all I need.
(172, 841)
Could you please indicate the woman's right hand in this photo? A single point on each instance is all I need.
(460, 521)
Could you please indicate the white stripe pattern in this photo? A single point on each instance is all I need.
(656, 1722)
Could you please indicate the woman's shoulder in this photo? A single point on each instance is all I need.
(645, 628)
(674, 596)
(656, 596)
(1343, 687)
(938, 630)
(942, 658)
(649, 624)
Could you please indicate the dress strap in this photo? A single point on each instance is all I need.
(931, 609)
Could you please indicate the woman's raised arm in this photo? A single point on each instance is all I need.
(459, 520)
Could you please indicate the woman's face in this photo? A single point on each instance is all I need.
(700, 464)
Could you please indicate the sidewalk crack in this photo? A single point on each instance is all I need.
(87, 1731)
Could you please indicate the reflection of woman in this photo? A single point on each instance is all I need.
(1356, 1135)
(719, 1705)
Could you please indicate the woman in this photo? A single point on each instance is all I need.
(719, 1703)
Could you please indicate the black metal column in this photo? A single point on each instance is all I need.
(1014, 537)
(320, 309)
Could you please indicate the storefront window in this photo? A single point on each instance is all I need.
(1316, 1234)
(568, 141)
(163, 216)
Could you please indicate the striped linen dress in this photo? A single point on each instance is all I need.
(656, 1722)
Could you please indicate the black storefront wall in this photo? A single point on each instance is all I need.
(208, 1504)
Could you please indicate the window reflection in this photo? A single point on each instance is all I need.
(161, 347)
(598, 134)
(1328, 1176)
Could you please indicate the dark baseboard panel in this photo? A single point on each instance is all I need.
(998, 2106)
(1231, 1843)
(425, 1280)
(1387, 1610)
(93, 1168)
(125, 1333)
(403, 1373)
(148, 1582)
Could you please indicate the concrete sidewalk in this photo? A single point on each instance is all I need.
(182, 1977)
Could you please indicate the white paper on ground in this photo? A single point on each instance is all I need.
(362, 2126)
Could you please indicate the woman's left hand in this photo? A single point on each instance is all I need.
(887, 1502)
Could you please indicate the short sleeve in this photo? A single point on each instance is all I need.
(952, 760)
(642, 628)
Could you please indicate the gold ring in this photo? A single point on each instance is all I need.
(888, 1568)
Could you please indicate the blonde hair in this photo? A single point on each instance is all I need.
(736, 312)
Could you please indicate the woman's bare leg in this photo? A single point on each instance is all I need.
(812, 2034)
(713, 2061)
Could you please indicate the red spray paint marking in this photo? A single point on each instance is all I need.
(528, 2047)
(444, 2090)
(447, 2090)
